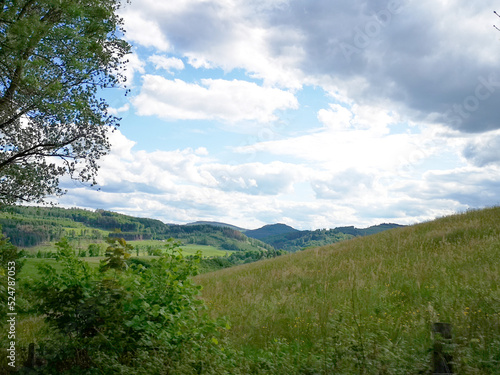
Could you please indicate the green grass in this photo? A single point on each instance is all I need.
(366, 305)
(206, 251)
(78, 244)
(30, 267)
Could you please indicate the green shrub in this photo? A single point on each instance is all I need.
(108, 319)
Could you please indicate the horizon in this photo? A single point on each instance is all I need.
(208, 222)
(311, 114)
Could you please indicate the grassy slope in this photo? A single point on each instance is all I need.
(372, 300)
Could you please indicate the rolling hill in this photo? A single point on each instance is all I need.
(367, 305)
(217, 224)
(270, 230)
(31, 226)
(282, 236)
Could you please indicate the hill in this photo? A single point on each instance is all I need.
(367, 305)
(368, 231)
(270, 230)
(31, 226)
(298, 240)
(284, 237)
(217, 224)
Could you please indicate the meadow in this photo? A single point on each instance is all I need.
(367, 305)
(189, 249)
(362, 306)
(30, 267)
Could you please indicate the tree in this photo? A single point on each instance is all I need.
(54, 57)
(117, 253)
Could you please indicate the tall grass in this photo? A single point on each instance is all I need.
(366, 305)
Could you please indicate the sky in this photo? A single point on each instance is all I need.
(312, 113)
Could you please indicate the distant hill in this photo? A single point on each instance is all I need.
(298, 240)
(32, 226)
(217, 224)
(368, 231)
(282, 236)
(270, 230)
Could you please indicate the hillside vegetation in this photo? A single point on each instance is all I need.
(366, 306)
(32, 226)
(41, 227)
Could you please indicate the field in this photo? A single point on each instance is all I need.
(30, 266)
(206, 251)
(367, 305)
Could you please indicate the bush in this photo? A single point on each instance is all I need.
(107, 319)
(10, 265)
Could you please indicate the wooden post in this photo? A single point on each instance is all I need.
(30, 363)
(442, 362)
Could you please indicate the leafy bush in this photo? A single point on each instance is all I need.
(109, 320)
(9, 261)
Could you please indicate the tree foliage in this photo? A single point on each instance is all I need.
(54, 57)
(117, 254)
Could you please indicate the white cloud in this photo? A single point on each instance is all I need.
(189, 184)
(134, 65)
(143, 30)
(213, 99)
(348, 183)
(422, 57)
(226, 34)
(167, 63)
(117, 111)
(337, 117)
(273, 178)
(382, 151)
(351, 138)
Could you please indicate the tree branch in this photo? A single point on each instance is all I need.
(35, 151)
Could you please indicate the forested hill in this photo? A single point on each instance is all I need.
(270, 230)
(282, 236)
(31, 226)
(218, 224)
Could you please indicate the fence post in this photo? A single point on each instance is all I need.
(442, 361)
(30, 363)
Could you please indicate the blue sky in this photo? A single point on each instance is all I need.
(316, 114)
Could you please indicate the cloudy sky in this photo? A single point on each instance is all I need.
(313, 113)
